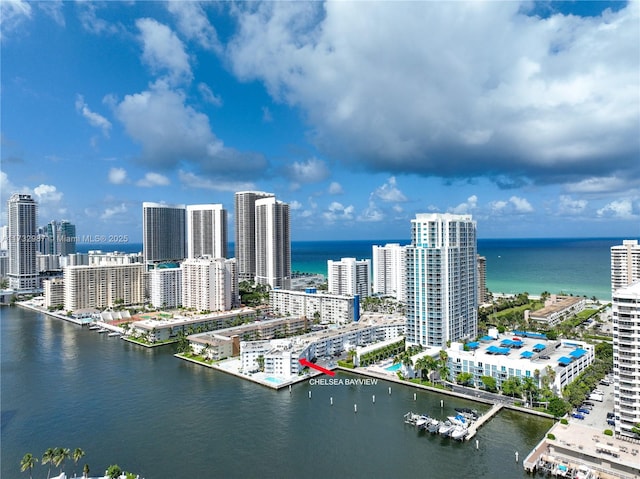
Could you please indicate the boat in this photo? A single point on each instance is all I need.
(422, 421)
(114, 334)
(434, 426)
(93, 327)
(457, 420)
(459, 433)
(446, 428)
(411, 418)
(103, 330)
(468, 413)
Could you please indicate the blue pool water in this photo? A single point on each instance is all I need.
(273, 380)
(394, 368)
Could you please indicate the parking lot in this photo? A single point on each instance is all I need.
(597, 417)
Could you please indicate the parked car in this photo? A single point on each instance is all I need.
(605, 382)
(611, 422)
(587, 403)
(583, 410)
(610, 415)
(586, 406)
(577, 415)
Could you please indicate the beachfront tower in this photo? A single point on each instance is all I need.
(349, 276)
(626, 350)
(22, 212)
(273, 243)
(163, 232)
(390, 270)
(625, 264)
(206, 231)
(245, 232)
(442, 297)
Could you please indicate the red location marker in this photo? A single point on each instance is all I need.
(309, 364)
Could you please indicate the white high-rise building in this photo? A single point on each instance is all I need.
(206, 231)
(245, 232)
(207, 284)
(4, 238)
(165, 287)
(625, 264)
(103, 286)
(349, 276)
(626, 351)
(389, 270)
(442, 297)
(273, 243)
(22, 212)
(163, 232)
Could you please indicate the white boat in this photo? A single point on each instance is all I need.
(114, 334)
(459, 433)
(103, 330)
(422, 421)
(94, 327)
(457, 420)
(446, 428)
(433, 426)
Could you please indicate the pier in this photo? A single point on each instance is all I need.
(475, 425)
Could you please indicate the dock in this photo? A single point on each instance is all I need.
(473, 428)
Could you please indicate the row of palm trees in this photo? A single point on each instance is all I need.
(54, 457)
(425, 364)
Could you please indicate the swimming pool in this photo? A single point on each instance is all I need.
(273, 380)
(393, 368)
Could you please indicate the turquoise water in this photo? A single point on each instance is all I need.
(394, 368)
(273, 380)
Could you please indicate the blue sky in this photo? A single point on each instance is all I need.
(359, 115)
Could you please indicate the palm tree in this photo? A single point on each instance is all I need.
(85, 470)
(61, 453)
(28, 461)
(47, 458)
(77, 455)
(114, 471)
(443, 369)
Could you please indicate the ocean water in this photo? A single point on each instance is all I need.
(578, 266)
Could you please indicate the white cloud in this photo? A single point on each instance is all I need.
(163, 50)
(310, 171)
(335, 188)
(521, 205)
(172, 132)
(208, 95)
(87, 13)
(440, 88)
(618, 209)
(153, 179)
(12, 14)
(295, 205)
(193, 24)
(568, 206)
(515, 205)
(595, 185)
(117, 176)
(371, 214)
(93, 118)
(466, 207)
(390, 192)
(336, 211)
(47, 194)
(110, 213)
(53, 8)
(191, 180)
